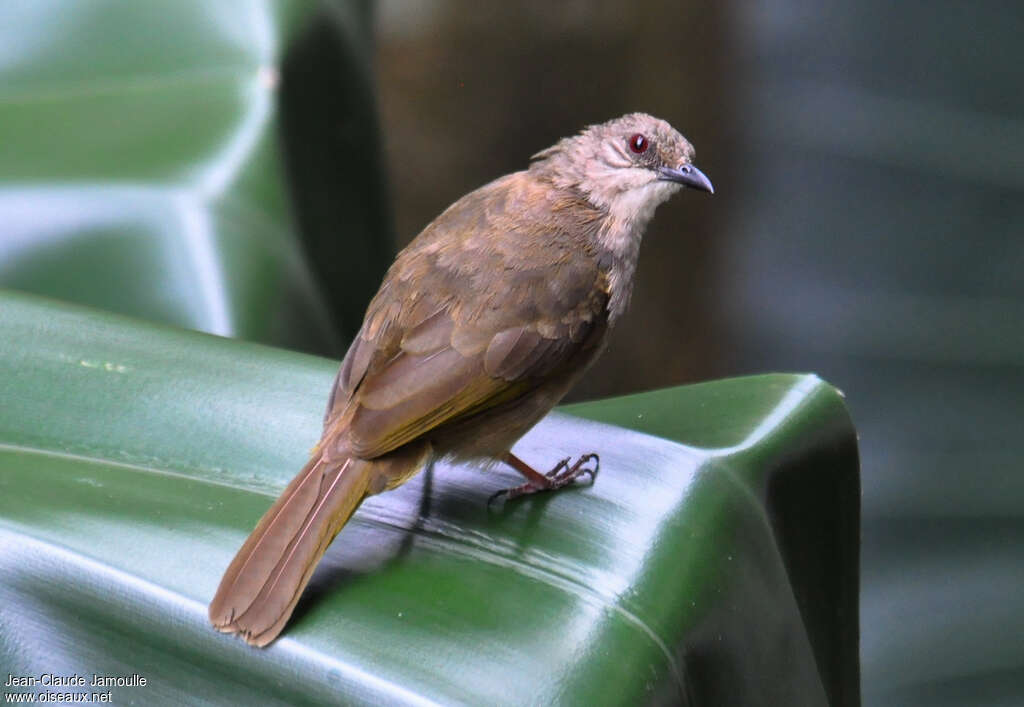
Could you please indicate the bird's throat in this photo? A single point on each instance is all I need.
(620, 242)
(628, 214)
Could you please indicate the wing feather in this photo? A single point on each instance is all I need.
(442, 341)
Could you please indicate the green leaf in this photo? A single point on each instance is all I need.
(714, 564)
(147, 150)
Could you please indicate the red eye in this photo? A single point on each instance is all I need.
(638, 143)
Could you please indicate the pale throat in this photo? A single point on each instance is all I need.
(629, 213)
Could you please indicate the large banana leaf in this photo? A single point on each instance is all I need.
(715, 563)
(148, 150)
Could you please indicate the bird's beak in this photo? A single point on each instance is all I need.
(688, 176)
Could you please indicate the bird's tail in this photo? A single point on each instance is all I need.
(263, 583)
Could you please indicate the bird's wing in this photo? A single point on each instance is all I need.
(455, 331)
(444, 370)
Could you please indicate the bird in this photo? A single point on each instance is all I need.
(480, 327)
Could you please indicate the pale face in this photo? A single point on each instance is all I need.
(628, 165)
(633, 164)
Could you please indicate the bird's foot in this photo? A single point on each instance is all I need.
(560, 476)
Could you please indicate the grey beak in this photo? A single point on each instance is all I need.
(688, 176)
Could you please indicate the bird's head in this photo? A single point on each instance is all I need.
(626, 166)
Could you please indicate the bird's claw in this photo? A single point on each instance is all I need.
(563, 474)
(560, 476)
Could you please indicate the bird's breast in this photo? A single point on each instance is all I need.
(620, 251)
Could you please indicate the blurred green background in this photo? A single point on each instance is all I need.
(249, 168)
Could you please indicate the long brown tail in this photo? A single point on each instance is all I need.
(263, 583)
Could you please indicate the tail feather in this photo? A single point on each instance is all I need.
(263, 583)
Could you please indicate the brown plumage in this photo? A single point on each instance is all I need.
(479, 328)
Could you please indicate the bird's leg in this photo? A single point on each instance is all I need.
(561, 475)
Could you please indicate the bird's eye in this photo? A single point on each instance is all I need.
(638, 143)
